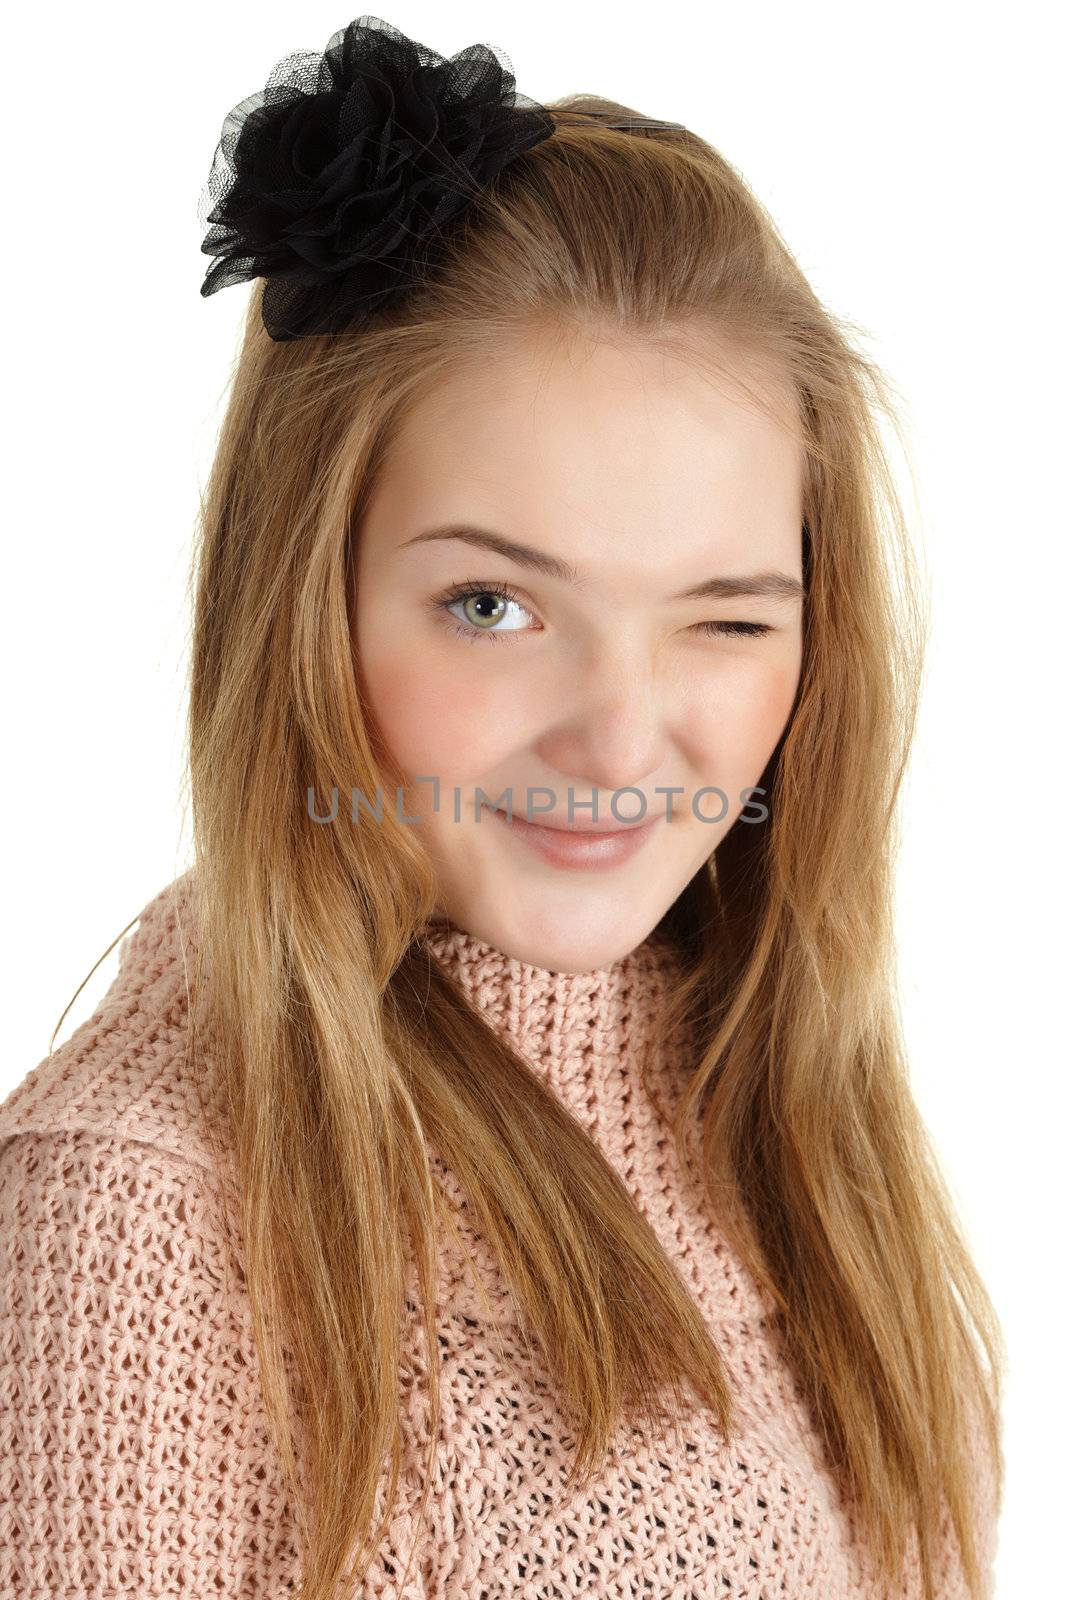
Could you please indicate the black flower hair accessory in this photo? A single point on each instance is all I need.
(335, 182)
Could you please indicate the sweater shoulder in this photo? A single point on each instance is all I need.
(125, 1072)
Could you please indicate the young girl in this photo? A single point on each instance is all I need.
(493, 1171)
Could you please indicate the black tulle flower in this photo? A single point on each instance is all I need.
(335, 180)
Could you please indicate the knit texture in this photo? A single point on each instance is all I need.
(135, 1458)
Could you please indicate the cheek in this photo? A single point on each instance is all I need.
(435, 718)
(745, 719)
(774, 699)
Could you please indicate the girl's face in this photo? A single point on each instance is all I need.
(577, 666)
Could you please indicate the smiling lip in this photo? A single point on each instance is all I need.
(583, 824)
(582, 847)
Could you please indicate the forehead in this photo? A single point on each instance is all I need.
(625, 392)
(597, 449)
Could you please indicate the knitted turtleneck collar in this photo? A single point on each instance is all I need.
(578, 1028)
(597, 1041)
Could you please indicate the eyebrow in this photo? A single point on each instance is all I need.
(769, 585)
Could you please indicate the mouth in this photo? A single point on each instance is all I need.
(582, 824)
(584, 846)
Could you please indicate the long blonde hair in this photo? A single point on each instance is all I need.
(343, 1064)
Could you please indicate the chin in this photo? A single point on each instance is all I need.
(573, 954)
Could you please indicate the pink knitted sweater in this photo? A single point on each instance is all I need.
(134, 1455)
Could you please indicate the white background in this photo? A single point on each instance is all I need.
(911, 158)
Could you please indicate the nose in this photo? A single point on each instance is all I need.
(609, 730)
